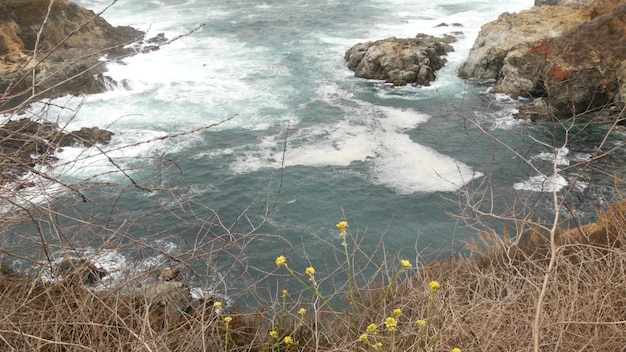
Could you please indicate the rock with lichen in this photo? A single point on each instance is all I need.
(400, 61)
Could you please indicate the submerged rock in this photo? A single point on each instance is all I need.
(400, 61)
(571, 56)
(80, 270)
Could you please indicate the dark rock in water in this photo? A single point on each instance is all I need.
(89, 136)
(80, 270)
(26, 143)
(400, 61)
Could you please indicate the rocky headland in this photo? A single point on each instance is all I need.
(568, 56)
(51, 54)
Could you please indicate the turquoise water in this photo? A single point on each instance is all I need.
(309, 144)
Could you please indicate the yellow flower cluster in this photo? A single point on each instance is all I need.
(391, 323)
(217, 305)
(288, 340)
(281, 261)
(421, 322)
(274, 334)
(456, 350)
(434, 285)
(227, 320)
(371, 329)
(406, 264)
(310, 271)
(397, 312)
(342, 226)
(302, 311)
(364, 338)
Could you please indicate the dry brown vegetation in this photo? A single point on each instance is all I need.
(486, 302)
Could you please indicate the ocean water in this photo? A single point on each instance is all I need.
(296, 143)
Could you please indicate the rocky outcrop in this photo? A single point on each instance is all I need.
(567, 55)
(25, 144)
(400, 61)
(64, 54)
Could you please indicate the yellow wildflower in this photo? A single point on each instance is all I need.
(273, 334)
(288, 340)
(406, 264)
(310, 271)
(421, 322)
(281, 261)
(391, 323)
(372, 329)
(227, 320)
(456, 350)
(217, 305)
(377, 345)
(285, 294)
(342, 226)
(397, 312)
(434, 285)
(363, 338)
(302, 311)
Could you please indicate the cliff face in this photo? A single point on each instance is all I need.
(71, 42)
(570, 57)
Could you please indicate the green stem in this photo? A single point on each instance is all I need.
(350, 288)
(316, 292)
(388, 288)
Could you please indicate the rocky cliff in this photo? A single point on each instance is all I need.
(568, 55)
(58, 53)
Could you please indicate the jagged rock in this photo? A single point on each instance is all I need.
(169, 294)
(89, 136)
(539, 109)
(80, 270)
(400, 61)
(569, 55)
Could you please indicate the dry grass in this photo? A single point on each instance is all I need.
(486, 303)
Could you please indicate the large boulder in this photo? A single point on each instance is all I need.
(569, 56)
(400, 61)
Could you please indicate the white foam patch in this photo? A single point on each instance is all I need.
(542, 183)
(560, 156)
(397, 162)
